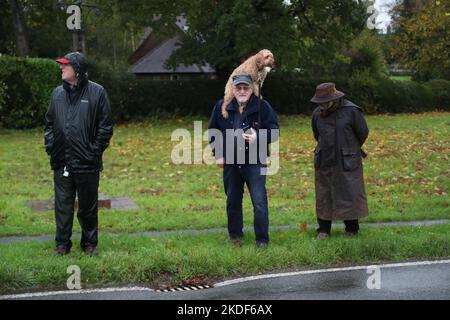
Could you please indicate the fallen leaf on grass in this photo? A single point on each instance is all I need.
(303, 226)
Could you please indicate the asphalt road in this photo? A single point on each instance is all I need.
(410, 280)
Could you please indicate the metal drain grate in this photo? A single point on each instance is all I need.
(189, 288)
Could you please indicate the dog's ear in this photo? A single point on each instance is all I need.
(259, 61)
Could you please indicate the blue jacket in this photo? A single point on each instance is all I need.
(249, 117)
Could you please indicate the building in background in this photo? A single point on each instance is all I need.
(149, 59)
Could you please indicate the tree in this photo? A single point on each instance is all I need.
(326, 28)
(110, 34)
(7, 39)
(403, 10)
(304, 35)
(224, 33)
(422, 41)
(115, 33)
(366, 55)
(20, 28)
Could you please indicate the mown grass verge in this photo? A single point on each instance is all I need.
(170, 260)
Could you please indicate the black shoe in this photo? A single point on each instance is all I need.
(91, 251)
(262, 245)
(61, 251)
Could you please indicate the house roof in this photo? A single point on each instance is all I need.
(154, 61)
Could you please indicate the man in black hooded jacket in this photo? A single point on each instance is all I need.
(77, 131)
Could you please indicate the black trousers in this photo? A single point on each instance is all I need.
(85, 185)
(350, 225)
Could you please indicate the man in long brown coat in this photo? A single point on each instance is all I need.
(340, 130)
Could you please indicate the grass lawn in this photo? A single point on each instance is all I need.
(401, 78)
(407, 178)
(171, 260)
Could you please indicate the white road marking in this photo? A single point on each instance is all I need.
(297, 273)
(225, 283)
(82, 291)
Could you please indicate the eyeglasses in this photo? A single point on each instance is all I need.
(242, 88)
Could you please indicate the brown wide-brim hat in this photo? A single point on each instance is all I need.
(326, 92)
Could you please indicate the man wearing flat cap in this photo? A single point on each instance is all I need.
(78, 127)
(340, 131)
(241, 149)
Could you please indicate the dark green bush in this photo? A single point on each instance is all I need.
(366, 54)
(441, 92)
(137, 98)
(361, 89)
(403, 96)
(26, 85)
(3, 88)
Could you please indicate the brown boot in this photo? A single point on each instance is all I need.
(237, 242)
(61, 251)
(91, 251)
(350, 234)
(322, 235)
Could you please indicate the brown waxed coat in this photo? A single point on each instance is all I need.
(339, 180)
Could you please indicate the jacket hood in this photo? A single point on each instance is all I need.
(79, 64)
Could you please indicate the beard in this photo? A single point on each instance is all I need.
(243, 100)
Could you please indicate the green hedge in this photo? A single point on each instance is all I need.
(134, 98)
(384, 95)
(26, 85)
(441, 93)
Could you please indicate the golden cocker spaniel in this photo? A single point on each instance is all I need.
(257, 66)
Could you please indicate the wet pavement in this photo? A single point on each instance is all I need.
(410, 280)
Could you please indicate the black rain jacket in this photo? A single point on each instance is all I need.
(78, 125)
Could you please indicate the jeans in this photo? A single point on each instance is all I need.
(234, 177)
(86, 186)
